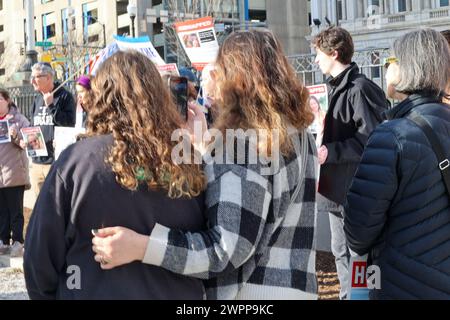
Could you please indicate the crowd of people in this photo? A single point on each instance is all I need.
(117, 206)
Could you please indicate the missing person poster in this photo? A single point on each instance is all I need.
(35, 142)
(318, 101)
(198, 38)
(169, 69)
(4, 132)
(64, 137)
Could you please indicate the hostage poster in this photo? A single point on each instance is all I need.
(35, 142)
(199, 41)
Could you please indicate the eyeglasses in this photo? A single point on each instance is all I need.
(388, 61)
(38, 76)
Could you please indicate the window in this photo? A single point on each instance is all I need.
(444, 3)
(339, 10)
(121, 7)
(2, 28)
(48, 26)
(401, 5)
(2, 72)
(2, 47)
(1, 4)
(93, 38)
(90, 16)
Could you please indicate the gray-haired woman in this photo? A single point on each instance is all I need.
(398, 208)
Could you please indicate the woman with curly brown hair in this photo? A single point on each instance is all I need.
(121, 173)
(261, 225)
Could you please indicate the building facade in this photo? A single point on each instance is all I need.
(64, 29)
(377, 23)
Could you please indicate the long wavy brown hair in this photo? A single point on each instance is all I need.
(132, 103)
(258, 89)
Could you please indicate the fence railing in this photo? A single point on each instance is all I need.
(24, 96)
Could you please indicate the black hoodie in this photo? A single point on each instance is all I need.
(60, 113)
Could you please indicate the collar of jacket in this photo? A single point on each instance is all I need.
(414, 100)
(340, 82)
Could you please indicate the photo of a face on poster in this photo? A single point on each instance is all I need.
(35, 142)
(4, 132)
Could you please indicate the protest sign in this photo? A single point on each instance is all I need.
(4, 132)
(169, 69)
(319, 105)
(199, 41)
(35, 142)
(64, 137)
(141, 44)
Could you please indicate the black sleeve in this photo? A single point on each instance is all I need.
(45, 245)
(64, 111)
(371, 193)
(367, 115)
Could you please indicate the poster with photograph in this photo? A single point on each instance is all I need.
(169, 69)
(198, 38)
(35, 142)
(4, 132)
(64, 137)
(318, 102)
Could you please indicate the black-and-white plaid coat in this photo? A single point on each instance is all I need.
(257, 245)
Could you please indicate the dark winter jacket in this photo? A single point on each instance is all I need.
(398, 209)
(60, 113)
(355, 108)
(81, 194)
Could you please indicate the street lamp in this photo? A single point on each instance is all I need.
(103, 27)
(132, 12)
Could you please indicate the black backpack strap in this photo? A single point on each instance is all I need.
(443, 159)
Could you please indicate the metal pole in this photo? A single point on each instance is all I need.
(104, 35)
(133, 34)
(31, 52)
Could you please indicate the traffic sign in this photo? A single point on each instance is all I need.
(44, 44)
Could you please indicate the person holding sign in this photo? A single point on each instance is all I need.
(50, 108)
(14, 179)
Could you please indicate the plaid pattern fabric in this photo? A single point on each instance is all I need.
(254, 235)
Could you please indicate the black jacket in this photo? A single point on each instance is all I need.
(60, 113)
(355, 108)
(398, 209)
(81, 194)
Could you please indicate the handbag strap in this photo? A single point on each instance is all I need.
(443, 160)
(303, 151)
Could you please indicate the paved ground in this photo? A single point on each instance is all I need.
(12, 285)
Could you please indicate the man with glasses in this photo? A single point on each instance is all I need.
(50, 108)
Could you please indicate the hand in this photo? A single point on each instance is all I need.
(196, 120)
(323, 154)
(118, 246)
(48, 98)
(22, 144)
(13, 132)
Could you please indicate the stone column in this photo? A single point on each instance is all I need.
(344, 10)
(289, 21)
(416, 5)
(351, 9)
(381, 7)
(365, 6)
(408, 5)
(426, 4)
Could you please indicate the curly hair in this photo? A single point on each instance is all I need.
(132, 103)
(257, 88)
